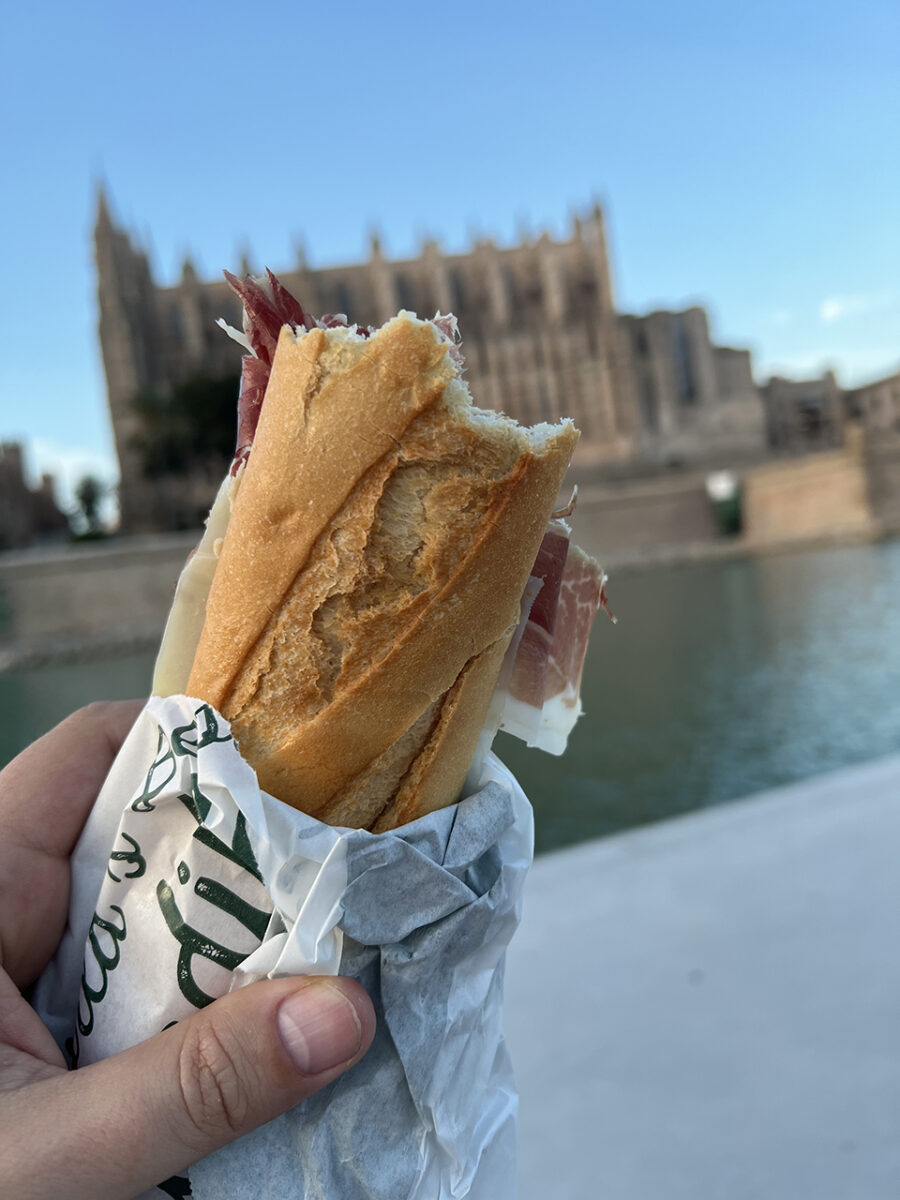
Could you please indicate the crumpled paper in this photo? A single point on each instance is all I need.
(189, 881)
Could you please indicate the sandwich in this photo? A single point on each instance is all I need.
(361, 578)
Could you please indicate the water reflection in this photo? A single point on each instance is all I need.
(724, 679)
(31, 702)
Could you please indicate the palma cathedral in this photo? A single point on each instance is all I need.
(541, 334)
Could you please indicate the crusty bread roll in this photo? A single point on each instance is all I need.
(371, 573)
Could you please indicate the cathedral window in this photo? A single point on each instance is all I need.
(458, 291)
(649, 411)
(176, 323)
(344, 302)
(684, 367)
(406, 297)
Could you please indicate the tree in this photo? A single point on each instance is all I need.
(89, 492)
(191, 426)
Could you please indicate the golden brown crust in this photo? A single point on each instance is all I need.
(371, 575)
(476, 606)
(361, 803)
(317, 435)
(440, 769)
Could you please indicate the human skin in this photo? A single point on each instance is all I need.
(115, 1128)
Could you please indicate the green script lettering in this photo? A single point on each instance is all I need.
(240, 851)
(161, 773)
(133, 857)
(105, 962)
(254, 919)
(193, 943)
(186, 740)
(205, 716)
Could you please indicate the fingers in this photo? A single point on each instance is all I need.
(45, 797)
(27, 1049)
(124, 1124)
(47, 792)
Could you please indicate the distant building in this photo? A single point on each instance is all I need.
(541, 337)
(876, 405)
(26, 515)
(804, 414)
(696, 402)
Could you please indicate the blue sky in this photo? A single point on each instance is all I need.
(748, 157)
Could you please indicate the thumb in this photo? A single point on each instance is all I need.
(123, 1124)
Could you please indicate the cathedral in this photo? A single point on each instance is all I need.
(541, 336)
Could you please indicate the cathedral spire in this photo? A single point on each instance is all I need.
(188, 269)
(104, 216)
(104, 225)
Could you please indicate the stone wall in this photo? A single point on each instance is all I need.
(635, 519)
(877, 404)
(111, 592)
(804, 414)
(819, 495)
(697, 401)
(121, 591)
(882, 459)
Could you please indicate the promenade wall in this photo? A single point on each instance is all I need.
(882, 464)
(117, 593)
(640, 518)
(809, 497)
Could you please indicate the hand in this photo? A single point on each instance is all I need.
(117, 1127)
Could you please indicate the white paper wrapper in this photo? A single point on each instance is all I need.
(206, 883)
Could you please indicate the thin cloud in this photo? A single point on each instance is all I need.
(836, 308)
(781, 317)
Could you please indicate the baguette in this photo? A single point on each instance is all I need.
(371, 573)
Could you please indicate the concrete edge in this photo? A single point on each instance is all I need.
(725, 818)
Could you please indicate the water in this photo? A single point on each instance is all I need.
(724, 679)
(31, 702)
(719, 680)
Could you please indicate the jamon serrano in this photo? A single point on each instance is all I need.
(265, 312)
(541, 700)
(529, 681)
(581, 595)
(537, 698)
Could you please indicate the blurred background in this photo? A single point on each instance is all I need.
(675, 223)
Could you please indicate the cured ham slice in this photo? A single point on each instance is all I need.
(254, 378)
(581, 595)
(529, 677)
(542, 700)
(537, 698)
(266, 309)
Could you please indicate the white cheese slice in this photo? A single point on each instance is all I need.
(188, 612)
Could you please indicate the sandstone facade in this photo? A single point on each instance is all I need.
(804, 414)
(541, 335)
